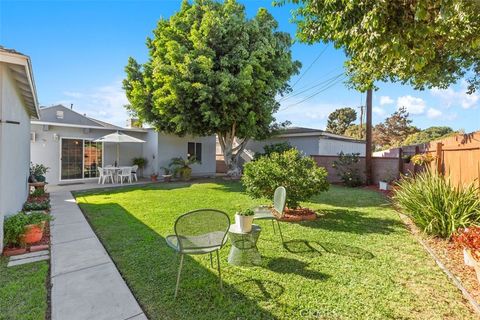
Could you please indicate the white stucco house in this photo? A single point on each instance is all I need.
(62, 139)
(18, 105)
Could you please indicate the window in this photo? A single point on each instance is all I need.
(195, 151)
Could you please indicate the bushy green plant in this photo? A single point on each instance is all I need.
(246, 213)
(347, 169)
(34, 205)
(37, 193)
(14, 226)
(38, 171)
(436, 205)
(181, 167)
(300, 175)
(140, 162)
(280, 147)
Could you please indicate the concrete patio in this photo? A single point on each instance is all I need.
(85, 282)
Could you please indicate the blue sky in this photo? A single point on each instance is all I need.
(79, 50)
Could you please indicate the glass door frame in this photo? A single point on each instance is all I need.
(83, 158)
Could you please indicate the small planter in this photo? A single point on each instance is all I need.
(244, 223)
(383, 185)
(167, 177)
(33, 233)
(154, 178)
(8, 252)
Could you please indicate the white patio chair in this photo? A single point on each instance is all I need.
(104, 175)
(125, 174)
(134, 172)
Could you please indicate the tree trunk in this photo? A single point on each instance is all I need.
(231, 152)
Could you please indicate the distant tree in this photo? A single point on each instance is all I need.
(394, 130)
(211, 70)
(340, 119)
(355, 131)
(424, 43)
(427, 135)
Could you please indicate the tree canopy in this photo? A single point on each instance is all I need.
(427, 135)
(394, 130)
(340, 119)
(424, 43)
(211, 70)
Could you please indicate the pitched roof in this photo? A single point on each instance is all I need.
(21, 70)
(310, 132)
(60, 115)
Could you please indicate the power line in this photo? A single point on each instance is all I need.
(312, 87)
(310, 66)
(316, 93)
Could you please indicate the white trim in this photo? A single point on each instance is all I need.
(85, 126)
(83, 159)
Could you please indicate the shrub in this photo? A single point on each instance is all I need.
(14, 226)
(280, 147)
(37, 193)
(298, 174)
(436, 205)
(140, 162)
(38, 171)
(37, 205)
(347, 169)
(422, 159)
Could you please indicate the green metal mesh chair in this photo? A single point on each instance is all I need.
(276, 213)
(199, 232)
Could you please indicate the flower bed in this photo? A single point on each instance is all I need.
(299, 214)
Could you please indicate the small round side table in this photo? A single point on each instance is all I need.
(244, 251)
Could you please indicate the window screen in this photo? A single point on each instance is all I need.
(195, 150)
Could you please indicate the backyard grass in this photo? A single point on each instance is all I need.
(23, 292)
(357, 261)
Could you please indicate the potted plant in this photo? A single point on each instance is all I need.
(37, 172)
(141, 163)
(182, 167)
(167, 174)
(23, 228)
(469, 240)
(154, 177)
(244, 220)
(385, 183)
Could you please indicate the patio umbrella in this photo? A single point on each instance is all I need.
(118, 137)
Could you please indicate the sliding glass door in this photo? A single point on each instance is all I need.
(80, 158)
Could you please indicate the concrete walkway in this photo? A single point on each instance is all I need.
(85, 282)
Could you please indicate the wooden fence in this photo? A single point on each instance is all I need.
(457, 157)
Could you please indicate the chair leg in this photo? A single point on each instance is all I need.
(211, 260)
(273, 225)
(219, 272)
(178, 275)
(280, 230)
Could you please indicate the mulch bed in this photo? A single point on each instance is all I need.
(299, 214)
(39, 199)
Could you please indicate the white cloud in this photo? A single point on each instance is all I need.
(412, 104)
(449, 97)
(308, 114)
(103, 103)
(379, 111)
(385, 100)
(433, 113)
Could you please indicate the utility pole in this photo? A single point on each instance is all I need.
(368, 142)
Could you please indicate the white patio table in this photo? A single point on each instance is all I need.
(115, 170)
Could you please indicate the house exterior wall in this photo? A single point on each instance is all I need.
(332, 147)
(46, 150)
(14, 148)
(170, 146)
(308, 145)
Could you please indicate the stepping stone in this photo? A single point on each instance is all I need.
(27, 260)
(29, 255)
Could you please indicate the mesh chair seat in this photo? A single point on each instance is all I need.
(197, 244)
(263, 213)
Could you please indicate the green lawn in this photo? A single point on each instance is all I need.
(23, 292)
(357, 261)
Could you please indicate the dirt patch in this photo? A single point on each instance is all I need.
(299, 214)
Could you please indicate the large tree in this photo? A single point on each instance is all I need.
(394, 130)
(211, 70)
(424, 43)
(429, 134)
(340, 119)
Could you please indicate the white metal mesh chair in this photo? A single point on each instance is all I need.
(200, 231)
(134, 172)
(125, 174)
(276, 213)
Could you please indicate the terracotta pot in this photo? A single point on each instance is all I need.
(33, 233)
(153, 178)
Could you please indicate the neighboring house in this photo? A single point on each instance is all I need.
(63, 141)
(312, 142)
(18, 104)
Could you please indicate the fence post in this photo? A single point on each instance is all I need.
(439, 158)
(415, 167)
(400, 162)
